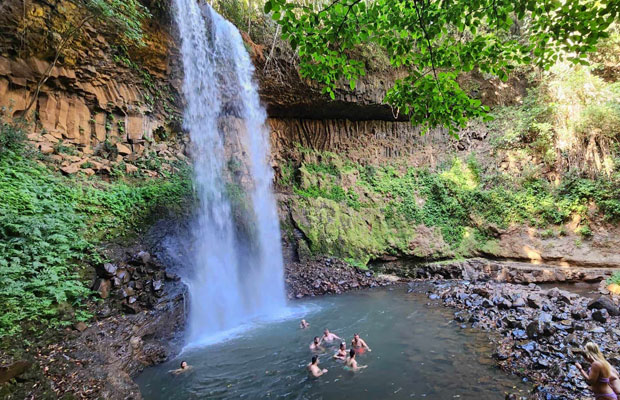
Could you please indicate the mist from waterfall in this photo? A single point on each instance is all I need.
(236, 253)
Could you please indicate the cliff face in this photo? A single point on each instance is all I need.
(106, 102)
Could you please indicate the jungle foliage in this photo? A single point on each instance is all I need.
(435, 41)
(50, 227)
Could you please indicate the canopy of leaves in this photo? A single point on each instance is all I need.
(436, 40)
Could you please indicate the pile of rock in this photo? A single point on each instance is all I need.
(138, 283)
(135, 327)
(541, 330)
(327, 275)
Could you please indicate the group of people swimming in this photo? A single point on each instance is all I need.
(358, 346)
(602, 377)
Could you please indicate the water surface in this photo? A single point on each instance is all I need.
(417, 352)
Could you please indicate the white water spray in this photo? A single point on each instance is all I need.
(237, 257)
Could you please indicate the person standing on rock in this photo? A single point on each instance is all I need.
(359, 344)
(313, 367)
(329, 337)
(600, 373)
(316, 344)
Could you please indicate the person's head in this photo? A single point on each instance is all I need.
(352, 353)
(593, 353)
(326, 331)
(343, 345)
(183, 364)
(356, 336)
(315, 360)
(316, 340)
(303, 321)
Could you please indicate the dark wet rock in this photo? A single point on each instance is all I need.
(606, 303)
(579, 313)
(123, 275)
(109, 270)
(541, 363)
(534, 301)
(600, 315)
(534, 329)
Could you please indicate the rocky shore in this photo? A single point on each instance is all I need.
(328, 275)
(540, 331)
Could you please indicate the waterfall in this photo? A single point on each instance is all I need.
(236, 253)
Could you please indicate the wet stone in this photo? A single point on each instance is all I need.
(606, 303)
(109, 269)
(600, 315)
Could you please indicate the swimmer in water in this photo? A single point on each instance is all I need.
(341, 354)
(303, 324)
(184, 367)
(359, 344)
(328, 336)
(313, 367)
(352, 363)
(316, 344)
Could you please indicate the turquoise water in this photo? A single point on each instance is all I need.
(417, 352)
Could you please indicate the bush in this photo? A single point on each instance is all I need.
(12, 135)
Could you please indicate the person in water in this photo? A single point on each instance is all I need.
(359, 344)
(599, 375)
(184, 367)
(316, 344)
(329, 337)
(313, 367)
(352, 362)
(303, 324)
(341, 354)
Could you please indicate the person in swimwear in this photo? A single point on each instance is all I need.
(313, 367)
(303, 324)
(316, 344)
(184, 367)
(352, 363)
(328, 336)
(341, 354)
(599, 374)
(359, 344)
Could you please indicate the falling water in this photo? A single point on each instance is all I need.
(237, 259)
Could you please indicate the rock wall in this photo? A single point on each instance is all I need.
(98, 99)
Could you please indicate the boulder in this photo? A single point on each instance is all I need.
(123, 149)
(601, 315)
(606, 303)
